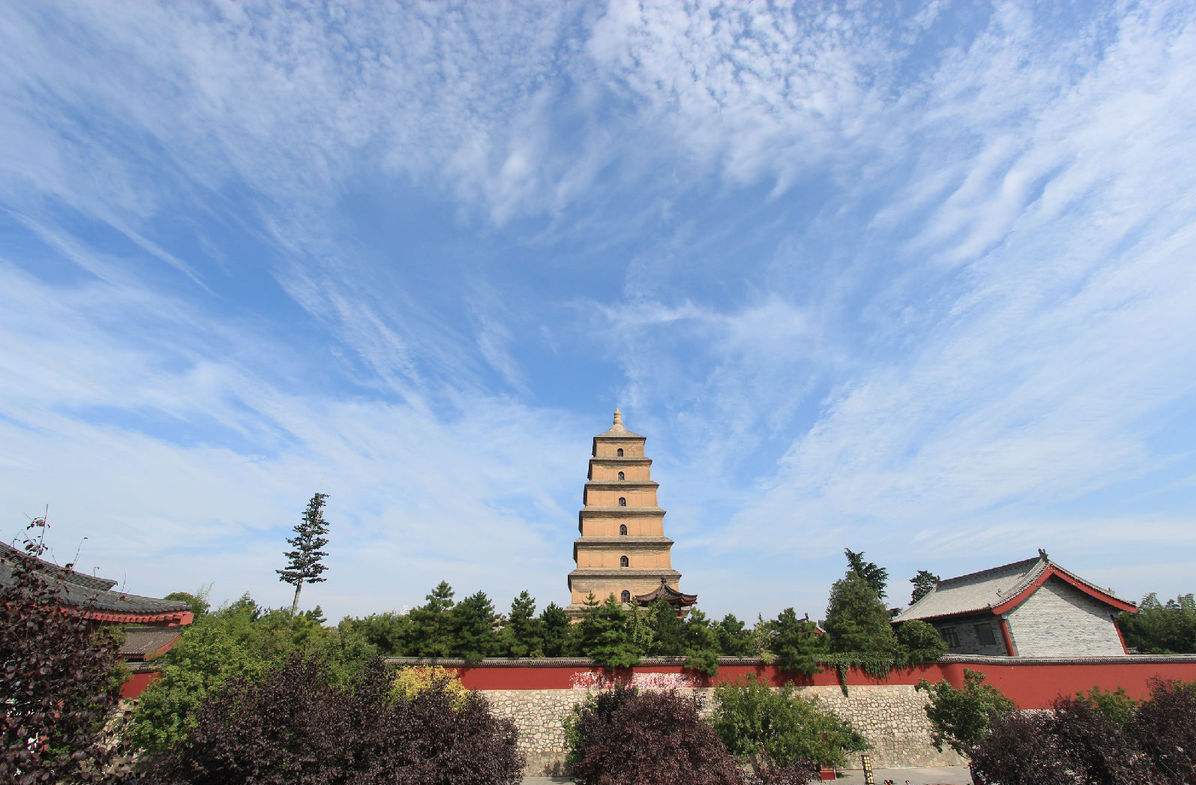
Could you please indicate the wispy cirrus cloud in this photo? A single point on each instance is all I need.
(865, 276)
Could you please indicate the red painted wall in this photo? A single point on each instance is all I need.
(136, 684)
(1035, 686)
(1030, 685)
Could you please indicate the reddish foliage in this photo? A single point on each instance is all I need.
(1165, 729)
(651, 738)
(294, 726)
(58, 683)
(1019, 750)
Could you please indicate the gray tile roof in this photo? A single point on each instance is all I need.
(979, 592)
(92, 594)
(50, 568)
(146, 643)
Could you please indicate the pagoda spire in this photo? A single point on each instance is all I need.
(617, 425)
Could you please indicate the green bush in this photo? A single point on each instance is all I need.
(963, 718)
(1117, 707)
(237, 641)
(921, 642)
(781, 729)
(1162, 628)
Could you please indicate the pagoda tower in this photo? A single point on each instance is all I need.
(622, 550)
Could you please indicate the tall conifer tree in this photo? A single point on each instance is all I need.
(305, 564)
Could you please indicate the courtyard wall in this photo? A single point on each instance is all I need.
(537, 695)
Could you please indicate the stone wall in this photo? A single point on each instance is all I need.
(891, 717)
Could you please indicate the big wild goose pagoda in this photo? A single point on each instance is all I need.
(621, 549)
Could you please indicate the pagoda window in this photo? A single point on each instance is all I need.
(622, 501)
(622, 476)
(626, 596)
(619, 452)
(622, 530)
(624, 561)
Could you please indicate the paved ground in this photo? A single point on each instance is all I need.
(951, 776)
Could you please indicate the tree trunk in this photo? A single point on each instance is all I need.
(295, 600)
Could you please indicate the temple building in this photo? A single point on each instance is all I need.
(151, 626)
(622, 550)
(1030, 608)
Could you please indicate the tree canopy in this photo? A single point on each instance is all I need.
(305, 560)
(876, 576)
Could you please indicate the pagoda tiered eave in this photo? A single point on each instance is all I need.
(621, 572)
(617, 484)
(630, 542)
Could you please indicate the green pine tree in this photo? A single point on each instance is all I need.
(856, 619)
(430, 630)
(305, 562)
(554, 627)
(604, 634)
(472, 625)
(795, 642)
(523, 634)
(876, 576)
(734, 638)
(668, 630)
(924, 582)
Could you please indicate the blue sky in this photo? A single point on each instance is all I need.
(914, 279)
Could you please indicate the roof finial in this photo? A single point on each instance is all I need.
(618, 424)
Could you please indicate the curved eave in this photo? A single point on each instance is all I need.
(1053, 571)
(170, 619)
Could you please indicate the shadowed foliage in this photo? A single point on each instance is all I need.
(297, 726)
(59, 681)
(627, 737)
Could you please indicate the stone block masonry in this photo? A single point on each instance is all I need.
(890, 717)
(537, 695)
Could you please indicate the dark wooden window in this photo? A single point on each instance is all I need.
(623, 529)
(624, 561)
(951, 637)
(985, 634)
(619, 452)
(626, 596)
(622, 502)
(621, 476)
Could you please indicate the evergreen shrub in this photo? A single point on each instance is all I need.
(778, 731)
(627, 737)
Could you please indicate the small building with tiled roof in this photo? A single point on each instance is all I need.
(1030, 608)
(93, 597)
